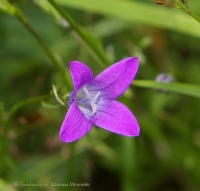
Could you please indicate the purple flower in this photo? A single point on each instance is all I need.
(92, 101)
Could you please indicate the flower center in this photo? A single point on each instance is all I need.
(87, 101)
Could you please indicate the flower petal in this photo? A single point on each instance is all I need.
(114, 81)
(75, 125)
(116, 117)
(80, 73)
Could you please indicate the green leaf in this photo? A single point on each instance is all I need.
(141, 13)
(187, 89)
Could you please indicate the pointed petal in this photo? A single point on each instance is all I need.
(80, 73)
(75, 125)
(114, 81)
(117, 118)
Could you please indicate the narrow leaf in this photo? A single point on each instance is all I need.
(187, 89)
(142, 13)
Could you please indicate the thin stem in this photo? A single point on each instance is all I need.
(93, 47)
(128, 164)
(184, 8)
(20, 104)
(71, 170)
(16, 107)
(54, 59)
(5, 142)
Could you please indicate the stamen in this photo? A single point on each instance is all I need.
(87, 92)
(97, 95)
(94, 107)
(90, 101)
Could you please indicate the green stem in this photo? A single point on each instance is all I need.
(54, 59)
(16, 107)
(20, 104)
(4, 142)
(71, 171)
(94, 48)
(184, 8)
(128, 164)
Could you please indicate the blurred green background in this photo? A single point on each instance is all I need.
(166, 155)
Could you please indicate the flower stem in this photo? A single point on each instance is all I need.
(4, 141)
(27, 102)
(54, 59)
(184, 8)
(71, 167)
(89, 40)
(16, 107)
(128, 160)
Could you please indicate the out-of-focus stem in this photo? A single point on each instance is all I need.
(80, 32)
(128, 164)
(184, 8)
(54, 59)
(6, 122)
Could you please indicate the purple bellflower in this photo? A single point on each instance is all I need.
(92, 101)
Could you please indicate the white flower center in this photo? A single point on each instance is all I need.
(87, 102)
